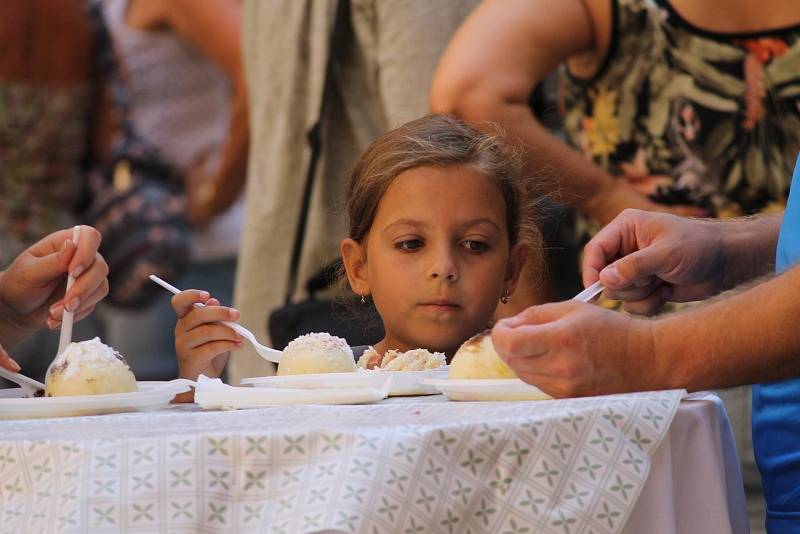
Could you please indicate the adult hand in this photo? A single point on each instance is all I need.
(7, 361)
(646, 259)
(621, 195)
(32, 288)
(571, 349)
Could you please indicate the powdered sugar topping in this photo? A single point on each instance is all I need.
(89, 353)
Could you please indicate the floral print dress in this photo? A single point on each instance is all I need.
(689, 116)
(43, 141)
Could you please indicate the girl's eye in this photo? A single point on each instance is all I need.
(409, 244)
(475, 246)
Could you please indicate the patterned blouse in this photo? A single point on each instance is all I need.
(43, 136)
(689, 116)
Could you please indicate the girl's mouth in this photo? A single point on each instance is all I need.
(441, 305)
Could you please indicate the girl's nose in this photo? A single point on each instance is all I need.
(444, 267)
(450, 277)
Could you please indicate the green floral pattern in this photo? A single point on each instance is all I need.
(43, 134)
(688, 116)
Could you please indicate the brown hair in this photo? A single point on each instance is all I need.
(439, 141)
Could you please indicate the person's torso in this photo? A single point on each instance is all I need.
(45, 102)
(776, 406)
(180, 102)
(690, 116)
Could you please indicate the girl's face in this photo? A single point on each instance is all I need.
(436, 259)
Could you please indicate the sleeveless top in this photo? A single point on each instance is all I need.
(179, 101)
(690, 116)
(43, 136)
(776, 406)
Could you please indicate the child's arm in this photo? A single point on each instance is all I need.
(201, 342)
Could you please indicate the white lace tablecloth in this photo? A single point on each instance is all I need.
(416, 465)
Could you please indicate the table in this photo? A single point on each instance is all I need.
(605, 464)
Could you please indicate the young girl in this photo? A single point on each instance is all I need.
(438, 237)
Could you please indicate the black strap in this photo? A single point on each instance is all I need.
(106, 64)
(314, 137)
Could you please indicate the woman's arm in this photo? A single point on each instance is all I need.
(496, 59)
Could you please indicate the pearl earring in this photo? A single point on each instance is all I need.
(363, 299)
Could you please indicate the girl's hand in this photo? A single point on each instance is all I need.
(201, 342)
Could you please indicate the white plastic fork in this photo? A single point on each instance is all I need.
(590, 292)
(269, 354)
(28, 385)
(66, 321)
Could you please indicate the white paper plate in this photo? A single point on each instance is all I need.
(151, 396)
(212, 394)
(504, 389)
(404, 383)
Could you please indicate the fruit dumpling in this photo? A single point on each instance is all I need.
(316, 353)
(477, 359)
(410, 360)
(89, 368)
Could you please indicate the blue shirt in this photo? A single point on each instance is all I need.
(776, 406)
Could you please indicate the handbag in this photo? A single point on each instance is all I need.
(348, 318)
(136, 200)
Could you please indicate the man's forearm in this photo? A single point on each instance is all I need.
(749, 245)
(746, 338)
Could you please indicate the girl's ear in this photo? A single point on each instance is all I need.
(516, 261)
(354, 257)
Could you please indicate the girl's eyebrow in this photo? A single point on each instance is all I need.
(480, 220)
(404, 222)
(421, 224)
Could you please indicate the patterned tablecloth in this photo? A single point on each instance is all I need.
(405, 465)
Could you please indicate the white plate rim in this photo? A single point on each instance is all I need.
(151, 394)
(509, 386)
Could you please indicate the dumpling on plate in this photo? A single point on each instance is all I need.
(316, 353)
(410, 360)
(477, 359)
(89, 368)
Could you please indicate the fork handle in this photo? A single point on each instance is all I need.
(65, 337)
(590, 292)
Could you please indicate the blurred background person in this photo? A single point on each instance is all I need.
(180, 64)
(49, 100)
(667, 105)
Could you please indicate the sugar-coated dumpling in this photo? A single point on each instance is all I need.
(410, 360)
(477, 359)
(89, 368)
(316, 353)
